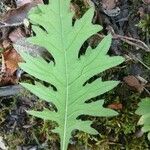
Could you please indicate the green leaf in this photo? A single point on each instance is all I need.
(144, 111)
(68, 73)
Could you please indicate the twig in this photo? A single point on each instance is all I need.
(147, 91)
(137, 59)
(4, 24)
(131, 41)
(135, 42)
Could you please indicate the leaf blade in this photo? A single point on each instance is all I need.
(69, 73)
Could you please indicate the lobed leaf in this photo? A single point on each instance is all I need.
(144, 111)
(68, 73)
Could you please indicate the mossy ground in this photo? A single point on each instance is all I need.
(115, 133)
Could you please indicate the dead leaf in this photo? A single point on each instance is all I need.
(134, 83)
(87, 3)
(18, 15)
(10, 61)
(6, 44)
(23, 2)
(16, 34)
(109, 4)
(75, 8)
(8, 80)
(116, 106)
(35, 50)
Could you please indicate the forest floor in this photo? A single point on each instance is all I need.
(129, 23)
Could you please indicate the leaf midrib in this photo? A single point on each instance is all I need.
(66, 75)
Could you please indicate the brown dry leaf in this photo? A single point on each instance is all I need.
(10, 61)
(116, 106)
(8, 80)
(134, 83)
(16, 34)
(13, 16)
(6, 44)
(109, 4)
(23, 45)
(75, 8)
(22, 2)
(19, 14)
(86, 2)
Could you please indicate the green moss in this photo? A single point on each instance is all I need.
(146, 59)
(144, 23)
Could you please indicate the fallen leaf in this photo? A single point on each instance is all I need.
(75, 8)
(109, 4)
(20, 3)
(10, 60)
(15, 16)
(134, 83)
(8, 80)
(16, 34)
(35, 50)
(23, 2)
(116, 106)
(6, 44)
